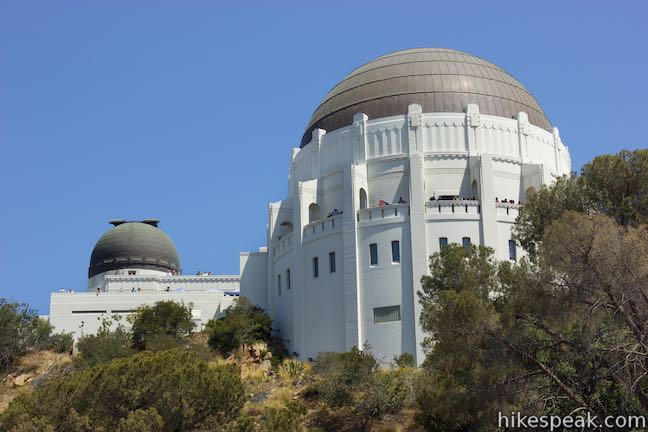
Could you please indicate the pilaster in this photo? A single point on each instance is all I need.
(418, 237)
(523, 133)
(488, 215)
(473, 121)
(353, 331)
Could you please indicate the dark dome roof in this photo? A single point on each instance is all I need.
(134, 245)
(438, 79)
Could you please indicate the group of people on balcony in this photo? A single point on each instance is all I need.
(383, 203)
(452, 198)
(505, 201)
(335, 212)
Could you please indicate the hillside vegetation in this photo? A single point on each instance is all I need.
(561, 332)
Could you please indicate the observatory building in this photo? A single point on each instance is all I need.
(412, 151)
(135, 264)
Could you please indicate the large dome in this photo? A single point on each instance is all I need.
(134, 245)
(438, 79)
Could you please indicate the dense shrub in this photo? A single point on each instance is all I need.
(106, 345)
(244, 323)
(164, 318)
(343, 373)
(287, 419)
(170, 390)
(404, 360)
(23, 331)
(351, 382)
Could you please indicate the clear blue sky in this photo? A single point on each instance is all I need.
(186, 111)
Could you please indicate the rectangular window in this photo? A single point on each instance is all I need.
(443, 242)
(466, 242)
(396, 251)
(387, 314)
(315, 267)
(89, 312)
(279, 285)
(288, 279)
(512, 250)
(332, 262)
(373, 254)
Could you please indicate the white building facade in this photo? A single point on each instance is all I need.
(457, 146)
(412, 151)
(136, 264)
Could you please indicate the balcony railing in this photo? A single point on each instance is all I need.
(385, 212)
(448, 207)
(323, 226)
(508, 209)
(282, 245)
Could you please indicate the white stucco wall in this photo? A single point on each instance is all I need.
(82, 312)
(415, 156)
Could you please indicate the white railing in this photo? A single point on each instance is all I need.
(385, 212)
(282, 244)
(142, 293)
(448, 207)
(323, 226)
(507, 209)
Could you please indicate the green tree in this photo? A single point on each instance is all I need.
(174, 388)
(618, 185)
(19, 326)
(107, 344)
(614, 185)
(544, 207)
(243, 323)
(548, 337)
(23, 331)
(163, 319)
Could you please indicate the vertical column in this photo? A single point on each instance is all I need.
(488, 216)
(353, 331)
(556, 149)
(523, 132)
(473, 121)
(418, 237)
(353, 328)
(306, 195)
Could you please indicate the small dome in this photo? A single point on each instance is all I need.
(438, 79)
(134, 245)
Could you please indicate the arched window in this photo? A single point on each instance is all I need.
(530, 191)
(313, 213)
(465, 242)
(474, 189)
(363, 198)
(285, 228)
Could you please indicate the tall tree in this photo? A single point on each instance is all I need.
(163, 319)
(618, 185)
